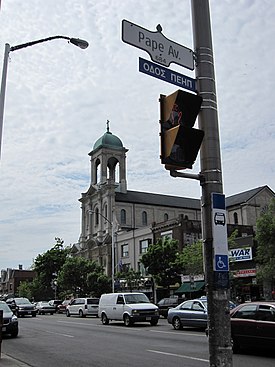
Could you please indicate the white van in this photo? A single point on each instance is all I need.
(127, 307)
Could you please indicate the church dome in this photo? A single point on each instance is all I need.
(108, 140)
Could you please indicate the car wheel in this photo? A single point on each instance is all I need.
(34, 314)
(154, 322)
(104, 319)
(68, 313)
(235, 346)
(127, 320)
(14, 334)
(51, 313)
(176, 323)
(81, 314)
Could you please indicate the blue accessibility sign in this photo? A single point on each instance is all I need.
(167, 75)
(221, 263)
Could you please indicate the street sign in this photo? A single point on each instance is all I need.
(167, 75)
(161, 49)
(219, 231)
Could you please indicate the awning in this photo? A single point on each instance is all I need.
(190, 287)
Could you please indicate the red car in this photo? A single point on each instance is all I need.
(253, 325)
(63, 306)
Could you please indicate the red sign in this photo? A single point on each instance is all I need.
(245, 273)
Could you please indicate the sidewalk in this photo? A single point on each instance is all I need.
(7, 361)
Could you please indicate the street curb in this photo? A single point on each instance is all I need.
(6, 361)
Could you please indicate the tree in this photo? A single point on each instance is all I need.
(265, 254)
(82, 277)
(47, 266)
(131, 277)
(190, 260)
(160, 261)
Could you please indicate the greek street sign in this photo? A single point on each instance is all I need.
(167, 75)
(161, 49)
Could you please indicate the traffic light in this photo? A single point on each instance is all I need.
(180, 142)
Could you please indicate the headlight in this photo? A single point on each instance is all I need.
(156, 312)
(135, 312)
(13, 318)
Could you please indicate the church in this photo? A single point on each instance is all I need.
(120, 224)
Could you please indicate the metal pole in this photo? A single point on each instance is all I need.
(113, 257)
(3, 90)
(220, 351)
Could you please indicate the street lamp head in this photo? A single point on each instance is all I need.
(79, 42)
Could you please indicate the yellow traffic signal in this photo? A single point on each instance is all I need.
(180, 142)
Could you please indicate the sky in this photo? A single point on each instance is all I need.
(59, 97)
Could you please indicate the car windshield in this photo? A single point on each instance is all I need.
(4, 307)
(136, 298)
(22, 301)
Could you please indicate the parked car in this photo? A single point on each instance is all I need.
(166, 303)
(83, 307)
(21, 306)
(253, 325)
(189, 313)
(43, 307)
(127, 307)
(63, 306)
(10, 321)
(55, 303)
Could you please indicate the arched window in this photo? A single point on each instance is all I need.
(144, 218)
(123, 216)
(236, 221)
(96, 217)
(165, 217)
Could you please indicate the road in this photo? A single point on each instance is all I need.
(60, 341)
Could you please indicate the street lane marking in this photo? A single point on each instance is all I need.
(178, 355)
(175, 333)
(66, 335)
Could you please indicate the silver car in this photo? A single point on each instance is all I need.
(191, 313)
(83, 307)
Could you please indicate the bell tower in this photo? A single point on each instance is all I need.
(108, 175)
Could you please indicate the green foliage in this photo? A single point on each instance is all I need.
(265, 236)
(160, 260)
(232, 239)
(47, 266)
(24, 290)
(82, 277)
(191, 259)
(132, 278)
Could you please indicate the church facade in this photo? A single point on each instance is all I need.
(120, 224)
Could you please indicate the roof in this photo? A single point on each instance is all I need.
(188, 287)
(108, 140)
(139, 197)
(244, 197)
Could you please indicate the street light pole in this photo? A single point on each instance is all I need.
(75, 41)
(217, 282)
(113, 247)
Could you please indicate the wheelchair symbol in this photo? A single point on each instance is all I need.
(221, 263)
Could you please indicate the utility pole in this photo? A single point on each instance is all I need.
(217, 282)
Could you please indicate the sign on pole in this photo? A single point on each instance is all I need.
(167, 75)
(161, 49)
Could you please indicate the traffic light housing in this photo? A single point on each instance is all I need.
(180, 142)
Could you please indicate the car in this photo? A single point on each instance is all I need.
(166, 303)
(129, 307)
(192, 313)
(21, 306)
(83, 307)
(43, 307)
(253, 325)
(63, 306)
(10, 321)
(55, 303)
